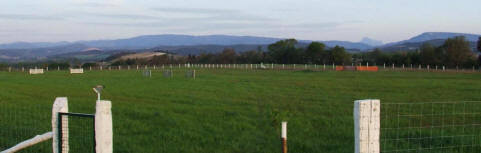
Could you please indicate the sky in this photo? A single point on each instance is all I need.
(350, 20)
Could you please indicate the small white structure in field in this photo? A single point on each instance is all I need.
(147, 73)
(36, 71)
(168, 73)
(263, 66)
(190, 74)
(76, 71)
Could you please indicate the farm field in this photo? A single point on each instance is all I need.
(221, 111)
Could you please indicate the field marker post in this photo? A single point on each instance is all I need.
(284, 136)
(436, 67)
(333, 67)
(100, 68)
(23, 69)
(90, 67)
(419, 66)
(367, 126)
(393, 66)
(128, 67)
(46, 69)
(103, 127)
(403, 66)
(58, 68)
(305, 66)
(10, 69)
(294, 66)
(324, 66)
(59, 105)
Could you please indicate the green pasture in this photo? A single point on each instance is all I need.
(235, 111)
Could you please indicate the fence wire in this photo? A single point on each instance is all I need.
(78, 135)
(438, 127)
(20, 121)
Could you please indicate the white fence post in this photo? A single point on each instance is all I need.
(60, 105)
(103, 127)
(367, 126)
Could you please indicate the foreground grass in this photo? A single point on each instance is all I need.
(222, 110)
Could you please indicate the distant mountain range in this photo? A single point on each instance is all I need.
(433, 38)
(187, 44)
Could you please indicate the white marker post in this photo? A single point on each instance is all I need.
(60, 106)
(103, 127)
(367, 125)
(284, 137)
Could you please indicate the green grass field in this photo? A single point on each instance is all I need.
(221, 111)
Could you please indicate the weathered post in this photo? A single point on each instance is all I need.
(60, 106)
(367, 126)
(284, 136)
(103, 127)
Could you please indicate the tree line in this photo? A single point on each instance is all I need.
(455, 52)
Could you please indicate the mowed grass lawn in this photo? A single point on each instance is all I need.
(224, 111)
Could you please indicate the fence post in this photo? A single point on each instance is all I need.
(367, 126)
(284, 136)
(60, 105)
(103, 127)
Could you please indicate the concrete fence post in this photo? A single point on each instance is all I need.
(60, 105)
(103, 127)
(367, 126)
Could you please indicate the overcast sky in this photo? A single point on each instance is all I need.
(386, 20)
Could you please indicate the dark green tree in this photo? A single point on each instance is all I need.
(479, 44)
(457, 51)
(284, 51)
(340, 56)
(315, 52)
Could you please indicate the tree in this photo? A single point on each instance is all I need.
(252, 56)
(315, 52)
(428, 54)
(340, 56)
(228, 56)
(457, 51)
(282, 51)
(479, 44)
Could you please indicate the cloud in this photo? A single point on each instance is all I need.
(194, 10)
(28, 17)
(96, 4)
(215, 14)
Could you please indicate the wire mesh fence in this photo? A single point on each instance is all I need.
(20, 121)
(438, 127)
(79, 134)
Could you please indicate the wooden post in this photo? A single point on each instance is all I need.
(284, 136)
(367, 126)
